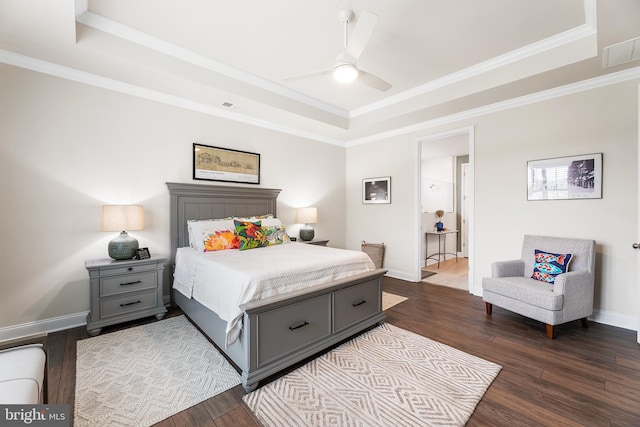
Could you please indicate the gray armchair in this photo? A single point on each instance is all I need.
(569, 298)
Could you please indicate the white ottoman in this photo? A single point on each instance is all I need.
(22, 371)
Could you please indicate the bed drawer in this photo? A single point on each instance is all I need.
(132, 282)
(355, 303)
(288, 328)
(128, 303)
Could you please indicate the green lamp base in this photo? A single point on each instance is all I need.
(307, 233)
(123, 247)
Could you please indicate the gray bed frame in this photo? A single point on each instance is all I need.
(278, 331)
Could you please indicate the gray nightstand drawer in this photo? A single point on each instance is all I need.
(288, 328)
(128, 283)
(128, 303)
(131, 267)
(353, 304)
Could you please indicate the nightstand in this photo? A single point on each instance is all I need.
(314, 242)
(123, 291)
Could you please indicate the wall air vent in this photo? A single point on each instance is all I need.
(621, 53)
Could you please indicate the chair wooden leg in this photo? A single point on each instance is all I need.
(489, 307)
(549, 331)
(585, 323)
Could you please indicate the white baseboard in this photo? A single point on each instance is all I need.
(43, 326)
(400, 275)
(623, 321)
(51, 325)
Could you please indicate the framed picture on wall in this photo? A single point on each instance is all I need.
(223, 164)
(565, 178)
(376, 190)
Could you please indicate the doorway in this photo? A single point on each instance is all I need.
(464, 210)
(436, 154)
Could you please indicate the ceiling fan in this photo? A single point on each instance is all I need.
(345, 69)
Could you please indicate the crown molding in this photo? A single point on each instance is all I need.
(589, 84)
(108, 26)
(41, 66)
(90, 19)
(68, 73)
(583, 31)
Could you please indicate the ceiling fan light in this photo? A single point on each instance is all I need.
(345, 73)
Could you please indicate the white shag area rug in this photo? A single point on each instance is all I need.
(385, 377)
(142, 375)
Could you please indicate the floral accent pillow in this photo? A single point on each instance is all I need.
(275, 235)
(547, 265)
(221, 240)
(199, 229)
(249, 234)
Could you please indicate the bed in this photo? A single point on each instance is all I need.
(277, 331)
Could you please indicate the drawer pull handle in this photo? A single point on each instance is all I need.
(355, 304)
(130, 303)
(299, 325)
(131, 283)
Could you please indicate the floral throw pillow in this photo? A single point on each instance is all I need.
(249, 234)
(221, 240)
(275, 235)
(547, 265)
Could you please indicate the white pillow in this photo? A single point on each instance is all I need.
(199, 229)
(253, 218)
(271, 222)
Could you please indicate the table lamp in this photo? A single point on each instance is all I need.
(307, 216)
(121, 218)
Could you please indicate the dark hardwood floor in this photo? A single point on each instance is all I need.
(587, 377)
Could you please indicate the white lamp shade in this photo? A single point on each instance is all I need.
(122, 217)
(307, 216)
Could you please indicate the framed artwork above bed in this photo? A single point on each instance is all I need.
(223, 164)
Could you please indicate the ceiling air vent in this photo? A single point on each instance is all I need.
(621, 53)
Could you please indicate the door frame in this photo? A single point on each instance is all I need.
(464, 211)
(470, 132)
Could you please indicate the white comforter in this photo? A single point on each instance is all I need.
(223, 280)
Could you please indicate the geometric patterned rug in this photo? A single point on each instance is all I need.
(142, 375)
(384, 377)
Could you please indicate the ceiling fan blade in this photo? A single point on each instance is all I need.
(373, 81)
(308, 75)
(361, 33)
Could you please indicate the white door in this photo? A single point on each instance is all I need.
(464, 199)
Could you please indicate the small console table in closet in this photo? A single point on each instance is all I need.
(442, 246)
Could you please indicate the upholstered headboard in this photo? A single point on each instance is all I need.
(198, 201)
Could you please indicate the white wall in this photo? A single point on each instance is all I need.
(600, 120)
(438, 184)
(68, 148)
(392, 223)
